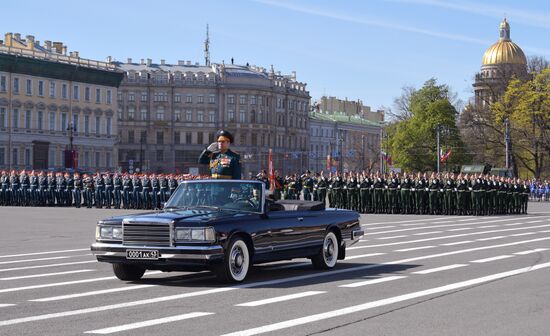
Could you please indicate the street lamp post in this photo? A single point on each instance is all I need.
(141, 142)
(71, 129)
(438, 129)
(363, 152)
(507, 142)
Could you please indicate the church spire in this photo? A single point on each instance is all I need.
(504, 30)
(207, 48)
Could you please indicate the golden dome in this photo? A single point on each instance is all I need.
(504, 51)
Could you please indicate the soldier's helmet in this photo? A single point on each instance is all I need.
(224, 134)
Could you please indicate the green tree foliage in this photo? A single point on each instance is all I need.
(526, 104)
(412, 143)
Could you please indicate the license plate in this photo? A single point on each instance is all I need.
(143, 254)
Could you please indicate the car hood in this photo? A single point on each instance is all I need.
(189, 215)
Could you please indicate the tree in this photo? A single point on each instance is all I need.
(412, 142)
(526, 104)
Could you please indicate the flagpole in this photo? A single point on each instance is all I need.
(438, 154)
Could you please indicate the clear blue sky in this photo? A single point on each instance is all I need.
(360, 49)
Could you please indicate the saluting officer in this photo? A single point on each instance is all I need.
(222, 161)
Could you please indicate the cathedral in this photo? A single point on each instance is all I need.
(501, 62)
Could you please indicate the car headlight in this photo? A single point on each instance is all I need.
(196, 234)
(109, 232)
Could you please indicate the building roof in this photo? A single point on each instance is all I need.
(342, 118)
(504, 51)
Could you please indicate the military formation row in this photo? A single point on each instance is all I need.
(437, 194)
(128, 191)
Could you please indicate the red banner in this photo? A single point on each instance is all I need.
(271, 170)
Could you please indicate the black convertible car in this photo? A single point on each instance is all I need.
(226, 226)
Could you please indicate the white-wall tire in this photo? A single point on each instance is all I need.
(236, 262)
(328, 256)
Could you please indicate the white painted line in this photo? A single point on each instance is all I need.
(512, 224)
(254, 284)
(412, 220)
(458, 243)
(149, 323)
(545, 231)
(47, 266)
(487, 226)
(531, 251)
(480, 261)
(2, 305)
(438, 269)
(31, 260)
(490, 238)
(98, 292)
(415, 248)
(57, 284)
(46, 274)
(279, 299)
(364, 256)
(41, 253)
(523, 234)
(461, 229)
(384, 302)
(535, 221)
(393, 237)
(372, 281)
(426, 233)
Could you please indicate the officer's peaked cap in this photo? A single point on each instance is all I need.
(226, 134)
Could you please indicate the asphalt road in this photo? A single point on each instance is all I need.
(411, 275)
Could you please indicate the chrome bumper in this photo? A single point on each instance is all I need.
(176, 253)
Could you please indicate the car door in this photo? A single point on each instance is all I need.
(293, 230)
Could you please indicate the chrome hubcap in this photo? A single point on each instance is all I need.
(237, 260)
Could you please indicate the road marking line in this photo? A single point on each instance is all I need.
(545, 231)
(411, 221)
(2, 305)
(490, 238)
(383, 302)
(279, 299)
(98, 292)
(458, 243)
(56, 284)
(535, 221)
(253, 285)
(31, 260)
(41, 253)
(372, 281)
(512, 224)
(531, 251)
(480, 261)
(393, 237)
(438, 269)
(47, 266)
(415, 248)
(147, 323)
(523, 234)
(487, 226)
(364, 255)
(461, 229)
(46, 274)
(426, 233)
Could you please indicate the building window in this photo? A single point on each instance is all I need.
(143, 96)
(160, 97)
(177, 115)
(109, 97)
(160, 155)
(2, 156)
(97, 162)
(160, 113)
(75, 122)
(231, 115)
(52, 121)
(40, 120)
(188, 138)
(188, 115)
(131, 113)
(29, 87)
(260, 100)
(119, 96)
(108, 160)
(52, 89)
(119, 113)
(177, 98)
(131, 137)
(41, 88)
(242, 116)
(131, 97)
(189, 99)
(28, 115)
(3, 85)
(15, 157)
(200, 138)
(200, 99)
(76, 92)
(231, 99)
(15, 85)
(64, 122)
(176, 138)
(86, 159)
(242, 99)
(109, 126)
(98, 96)
(253, 100)
(87, 125)
(64, 91)
(143, 113)
(160, 138)
(27, 157)
(211, 116)
(212, 99)
(15, 122)
(2, 117)
(87, 94)
(200, 116)
(97, 125)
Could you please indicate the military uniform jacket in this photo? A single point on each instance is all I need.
(14, 182)
(117, 181)
(222, 165)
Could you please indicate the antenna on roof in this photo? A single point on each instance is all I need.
(207, 48)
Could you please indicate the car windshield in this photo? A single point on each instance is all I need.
(220, 195)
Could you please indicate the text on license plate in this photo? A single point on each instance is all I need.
(142, 254)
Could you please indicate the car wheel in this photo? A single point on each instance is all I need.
(236, 262)
(128, 272)
(327, 257)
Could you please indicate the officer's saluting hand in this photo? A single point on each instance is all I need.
(222, 161)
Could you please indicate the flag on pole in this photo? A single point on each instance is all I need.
(387, 158)
(328, 161)
(445, 156)
(271, 170)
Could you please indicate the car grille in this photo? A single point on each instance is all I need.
(148, 234)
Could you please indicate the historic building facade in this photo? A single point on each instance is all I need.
(340, 142)
(502, 61)
(168, 113)
(49, 101)
(332, 105)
